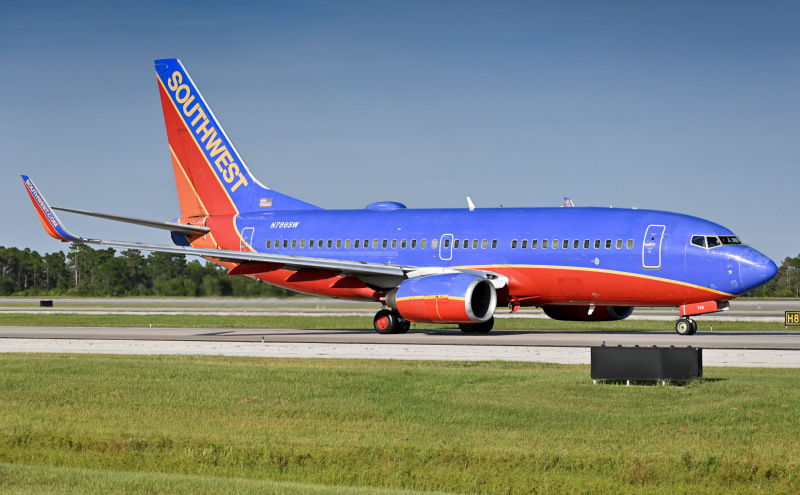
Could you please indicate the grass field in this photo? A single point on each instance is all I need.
(348, 322)
(125, 424)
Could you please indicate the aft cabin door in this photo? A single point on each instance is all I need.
(651, 247)
(247, 239)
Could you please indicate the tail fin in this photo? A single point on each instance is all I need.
(211, 177)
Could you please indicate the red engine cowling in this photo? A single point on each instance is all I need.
(444, 298)
(581, 313)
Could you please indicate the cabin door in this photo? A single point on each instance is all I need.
(446, 247)
(247, 239)
(651, 247)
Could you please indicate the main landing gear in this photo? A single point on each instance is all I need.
(388, 321)
(484, 327)
(686, 326)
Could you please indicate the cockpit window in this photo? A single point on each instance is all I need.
(730, 239)
(699, 240)
(712, 241)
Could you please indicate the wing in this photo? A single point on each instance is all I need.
(385, 275)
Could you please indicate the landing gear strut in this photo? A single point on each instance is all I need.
(686, 326)
(388, 321)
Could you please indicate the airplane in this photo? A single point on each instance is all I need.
(444, 266)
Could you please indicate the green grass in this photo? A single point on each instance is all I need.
(355, 322)
(45, 480)
(147, 424)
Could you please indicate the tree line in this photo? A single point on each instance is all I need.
(85, 271)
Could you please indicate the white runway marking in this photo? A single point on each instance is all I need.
(561, 355)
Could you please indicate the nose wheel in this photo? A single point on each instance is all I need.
(686, 326)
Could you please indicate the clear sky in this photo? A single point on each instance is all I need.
(691, 107)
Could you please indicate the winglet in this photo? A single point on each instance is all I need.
(568, 202)
(50, 221)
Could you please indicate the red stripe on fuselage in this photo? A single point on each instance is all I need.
(537, 285)
(533, 286)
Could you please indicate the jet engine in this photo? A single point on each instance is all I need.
(444, 298)
(581, 313)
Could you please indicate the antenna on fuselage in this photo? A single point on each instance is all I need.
(470, 204)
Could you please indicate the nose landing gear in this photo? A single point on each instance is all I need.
(686, 326)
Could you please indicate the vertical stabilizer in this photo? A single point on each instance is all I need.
(211, 177)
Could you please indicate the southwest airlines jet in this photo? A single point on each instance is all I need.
(448, 266)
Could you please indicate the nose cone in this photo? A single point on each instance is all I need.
(756, 270)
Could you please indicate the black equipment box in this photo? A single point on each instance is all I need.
(680, 364)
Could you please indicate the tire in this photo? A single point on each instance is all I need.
(385, 322)
(404, 326)
(694, 327)
(467, 327)
(684, 326)
(484, 327)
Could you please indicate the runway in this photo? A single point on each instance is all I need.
(749, 349)
(771, 349)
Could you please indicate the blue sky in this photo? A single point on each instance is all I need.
(691, 107)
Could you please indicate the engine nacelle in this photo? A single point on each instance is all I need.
(581, 313)
(444, 298)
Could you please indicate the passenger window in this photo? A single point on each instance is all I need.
(374, 243)
(474, 243)
(384, 243)
(302, 243)
(465, 244)
(608, 243)
(534, 242)
(576, 244)
(494, 243)
(338, 244)
(413, 244)
(403, 244)
(524, 243)
(514, 244)
(394, 243)
(619, 243)
(446, 243)
(544, 243)
(356, 243)
(347, 244)
(597, 243)
(425, 241)
(484, 243)
(319, 243)
(565, 244)
(285, 243)
(366, 243)
(455, 243)
(586, 244)
(554, 244)
(269, 244)
(330, 243)
(629, 245)
(294, 243)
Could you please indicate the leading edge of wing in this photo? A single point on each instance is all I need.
(155, 224)
(285, 260)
